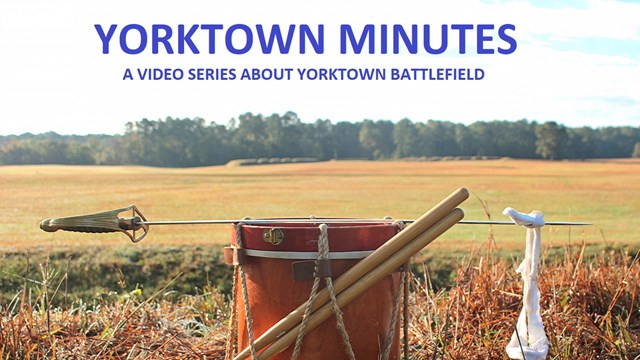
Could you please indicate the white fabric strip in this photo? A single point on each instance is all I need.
(305, 255)
(530, 328)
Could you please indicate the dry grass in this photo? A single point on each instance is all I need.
(606, 193)
(590, 310)
(116, 327)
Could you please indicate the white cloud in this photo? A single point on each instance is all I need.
(55, 78)
(598, 19)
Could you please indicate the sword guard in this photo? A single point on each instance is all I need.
(102, 222)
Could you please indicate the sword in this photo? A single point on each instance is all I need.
(109, 221)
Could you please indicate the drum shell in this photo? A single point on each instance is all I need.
(273, 293)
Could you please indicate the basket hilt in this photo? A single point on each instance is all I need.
(102, 222)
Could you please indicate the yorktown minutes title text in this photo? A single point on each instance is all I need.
(240, 39)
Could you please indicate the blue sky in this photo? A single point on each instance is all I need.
(577, 62)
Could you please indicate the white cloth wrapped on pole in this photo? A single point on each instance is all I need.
(530, 341)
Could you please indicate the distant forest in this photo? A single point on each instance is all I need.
(194, 142)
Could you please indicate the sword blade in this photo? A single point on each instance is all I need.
(338, 221)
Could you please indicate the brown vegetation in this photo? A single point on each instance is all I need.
(590, 309)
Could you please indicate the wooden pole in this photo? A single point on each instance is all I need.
(405, 311)
(387, 267)
(392, 246)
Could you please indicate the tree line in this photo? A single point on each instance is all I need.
(188, 142)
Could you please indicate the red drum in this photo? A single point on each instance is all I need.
(273, 293)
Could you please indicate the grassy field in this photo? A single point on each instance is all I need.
(606, 193)
(84, 295)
